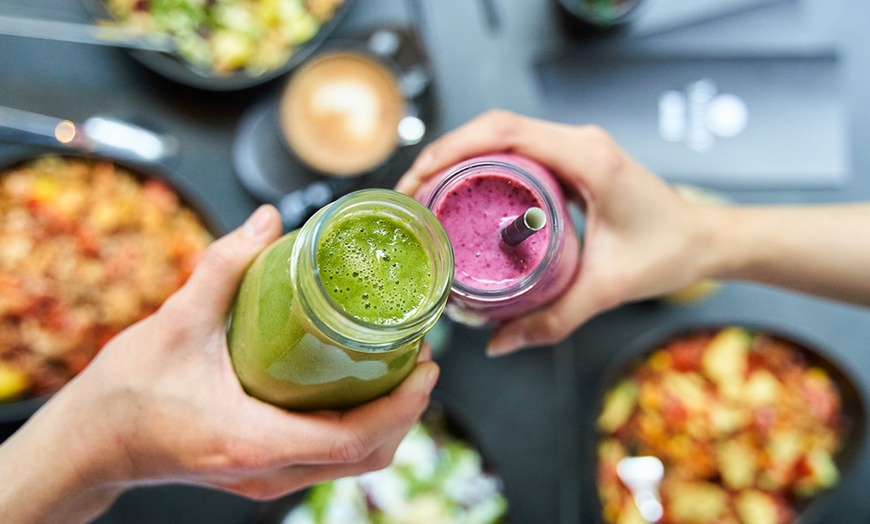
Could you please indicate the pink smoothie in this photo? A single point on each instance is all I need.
(473, 213)
(493, 281)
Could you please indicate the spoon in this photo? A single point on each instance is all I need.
(642, 476)
(86, 34)
(100, 135)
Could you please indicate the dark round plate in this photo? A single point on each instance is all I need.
(853, 405)
(13, 414)
(443, 413)
(176, 69)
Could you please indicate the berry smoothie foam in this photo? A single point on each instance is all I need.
(493, 281)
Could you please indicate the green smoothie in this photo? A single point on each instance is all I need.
(374, 269)
(370, 269)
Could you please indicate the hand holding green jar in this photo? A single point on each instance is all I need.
(333, 315)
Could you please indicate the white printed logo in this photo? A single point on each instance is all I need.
(699, 114)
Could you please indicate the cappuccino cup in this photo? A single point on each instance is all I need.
(341, 112)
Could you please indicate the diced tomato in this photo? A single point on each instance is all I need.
(87, 243)
(686, 353)
(822, 401)
(14, 300)
(104, 335)
(785, 514)
(673, 411)
(764, 419)
(160, 194)
(78, 361)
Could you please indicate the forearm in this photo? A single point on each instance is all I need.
(50, 474)
(821, 250)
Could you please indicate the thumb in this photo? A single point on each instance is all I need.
(213, 284)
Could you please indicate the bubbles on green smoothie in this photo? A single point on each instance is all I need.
(374, 267)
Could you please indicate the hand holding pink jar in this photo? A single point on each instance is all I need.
(514, 245)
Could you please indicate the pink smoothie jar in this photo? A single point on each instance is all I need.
(495, 280)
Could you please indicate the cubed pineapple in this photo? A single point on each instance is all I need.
(762, 388)
(737, 464)
(755, 507)
(697, 502)
(725, 360)
(231, 50)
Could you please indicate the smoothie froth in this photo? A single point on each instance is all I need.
(473, 213)
(374, 269)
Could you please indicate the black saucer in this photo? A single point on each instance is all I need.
(269, 171)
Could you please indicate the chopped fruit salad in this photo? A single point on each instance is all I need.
(746, 427)
(86, 249)
(435, 478)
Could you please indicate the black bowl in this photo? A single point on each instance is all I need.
(589, 18)
(176, 69)
(853, 404)
(443, 413)
(14, 414)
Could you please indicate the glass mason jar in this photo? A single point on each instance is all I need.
(475, 200)
(296, 339)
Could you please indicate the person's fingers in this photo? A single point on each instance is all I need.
(553, 323)
(425, 353)
(211, 288)
(292, 478)
(289, 479)
(349, 437)
(490, 132)
(575, 151)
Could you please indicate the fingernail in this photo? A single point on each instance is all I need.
(499, 346)
(422, 163)
(257, 224)
(432, 379)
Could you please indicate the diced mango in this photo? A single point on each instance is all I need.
(45, 189)
(755, 507)
(13, 382)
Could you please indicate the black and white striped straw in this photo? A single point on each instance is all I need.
(525, 225)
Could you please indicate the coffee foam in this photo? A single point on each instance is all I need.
(340, 113)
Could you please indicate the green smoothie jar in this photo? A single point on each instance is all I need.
(333, 314)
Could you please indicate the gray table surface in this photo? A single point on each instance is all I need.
(528, 410)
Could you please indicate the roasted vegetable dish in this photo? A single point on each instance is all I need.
(226, 36)
(435, 478)
(746, 427)
(86, 249)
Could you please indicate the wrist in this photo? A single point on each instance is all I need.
(59, 464)
(723, 242)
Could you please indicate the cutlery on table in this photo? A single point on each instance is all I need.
(86, 34)
(100, 135)
(642, 476)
